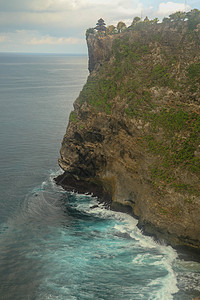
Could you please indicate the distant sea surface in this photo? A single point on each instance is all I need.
(60, 245)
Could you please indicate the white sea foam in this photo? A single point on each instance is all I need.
(43, 200)
(188, 273)
(164, 256)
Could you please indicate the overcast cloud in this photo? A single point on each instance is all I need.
(60, 25)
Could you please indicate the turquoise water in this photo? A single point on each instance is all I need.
(59, 245)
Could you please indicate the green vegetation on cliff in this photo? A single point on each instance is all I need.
(148, 76)
(177, 19)
(136, 124)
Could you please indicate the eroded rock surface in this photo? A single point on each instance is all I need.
(133, 137)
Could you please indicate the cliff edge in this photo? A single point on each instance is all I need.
(133, 138)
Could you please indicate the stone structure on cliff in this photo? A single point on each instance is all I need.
(100, 26)
(133, 137)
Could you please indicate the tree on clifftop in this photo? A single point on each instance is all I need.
(177, 16)
(111, 29)
(146, 19)
(135, 21)
(193, 17)
(100, 26)
(121, 26)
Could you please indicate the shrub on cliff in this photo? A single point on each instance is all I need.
(193, 17)
(111, 29)
(89, 31)
(135, 21)
(177, 16)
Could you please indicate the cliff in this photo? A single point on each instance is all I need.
(133, 138)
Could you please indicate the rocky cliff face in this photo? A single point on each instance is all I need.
(133, 137)
(99, 50)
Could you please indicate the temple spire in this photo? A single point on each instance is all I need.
(100, 26)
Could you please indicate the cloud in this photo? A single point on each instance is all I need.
(44, 5)
(33, 37)
(42, 23)
(2, 38)
(64, 17)
(59, 5)
(166, 9)
(33, 41)
(49, 40)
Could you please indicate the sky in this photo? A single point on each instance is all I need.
(58, 26)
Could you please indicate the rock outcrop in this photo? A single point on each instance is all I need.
(99, 50)
(133, 137)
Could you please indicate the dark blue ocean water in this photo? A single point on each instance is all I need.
(54, 244)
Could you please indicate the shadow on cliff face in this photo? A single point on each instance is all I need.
(84, 186)
(135, 130)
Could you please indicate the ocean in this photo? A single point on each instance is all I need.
(60, 245)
